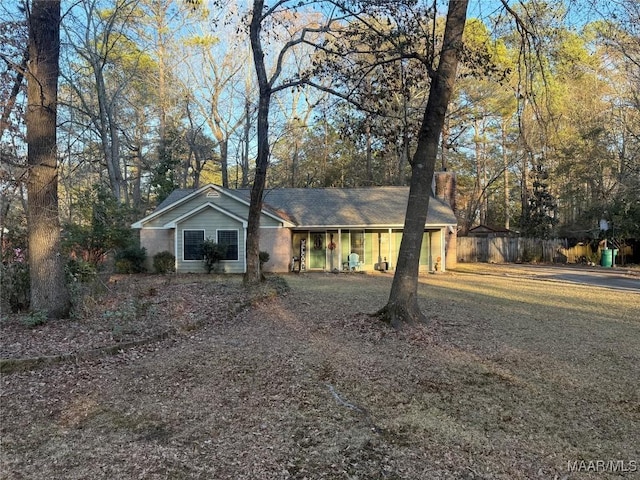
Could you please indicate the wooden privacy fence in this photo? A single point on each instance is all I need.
(517, 249)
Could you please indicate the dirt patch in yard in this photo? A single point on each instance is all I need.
(512, 379)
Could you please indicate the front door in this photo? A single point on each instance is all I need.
(317, 250)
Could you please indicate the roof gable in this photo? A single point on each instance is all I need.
(180, 197)
(195, 211)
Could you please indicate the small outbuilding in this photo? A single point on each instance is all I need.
(485, 231)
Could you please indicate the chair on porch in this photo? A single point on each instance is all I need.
(354, 261)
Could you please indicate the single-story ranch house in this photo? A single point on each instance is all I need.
(302, 229)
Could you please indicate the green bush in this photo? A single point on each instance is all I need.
(213, 252)
(164, 262)
(131, 260)
(79, 270)
(100, 225)
(264, 258)
(35, 319)
(14, 291)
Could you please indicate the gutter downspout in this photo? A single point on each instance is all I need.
(244, 258)
(175, 247)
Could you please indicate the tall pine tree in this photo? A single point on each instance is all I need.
(49, 292)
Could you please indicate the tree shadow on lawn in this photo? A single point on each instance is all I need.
(306, 384)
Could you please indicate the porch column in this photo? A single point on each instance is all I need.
(430, 239)
(443, 258)
(451, 251)
(389, 247)
(339, 249)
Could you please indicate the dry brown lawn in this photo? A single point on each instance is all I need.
(514, 378)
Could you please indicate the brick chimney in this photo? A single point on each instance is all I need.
(445, 187)
(445, 190)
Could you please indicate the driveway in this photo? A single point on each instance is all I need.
(617, 278)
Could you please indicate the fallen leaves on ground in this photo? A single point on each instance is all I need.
(306, 384)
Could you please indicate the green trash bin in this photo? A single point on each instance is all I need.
(606, 260)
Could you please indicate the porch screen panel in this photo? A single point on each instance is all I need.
(424, 250)
(345, 245)
(333, 258)
(396, 241)
(378, 250)
(370, 242)
(357, 244)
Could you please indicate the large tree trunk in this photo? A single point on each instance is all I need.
(253, 274)
(137, 178)
(222, 137)
(402, 307)
(479, 191)
(224, 162)
(48, 288)
(107, 128)
(244, 166)
(369, 162)
(505, 162)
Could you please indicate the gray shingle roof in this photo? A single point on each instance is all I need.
(383, 206)
(350, 206)
(177, 194)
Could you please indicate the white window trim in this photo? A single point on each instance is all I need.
(237, 233)
(204, 236)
